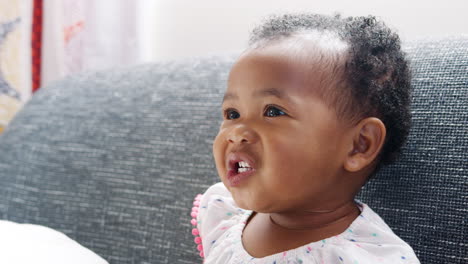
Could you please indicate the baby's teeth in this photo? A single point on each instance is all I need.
(243, 170)
(244, 164)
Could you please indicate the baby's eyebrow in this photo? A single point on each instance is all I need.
(229, 96)
(272, 92)
(263, 93)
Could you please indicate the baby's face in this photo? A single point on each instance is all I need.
(279, 146)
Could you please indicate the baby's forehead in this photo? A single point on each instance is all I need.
(310, 50)
(304, 59)
(310, 42)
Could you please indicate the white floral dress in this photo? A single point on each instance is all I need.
(219, 225)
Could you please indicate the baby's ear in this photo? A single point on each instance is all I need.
(367, 141)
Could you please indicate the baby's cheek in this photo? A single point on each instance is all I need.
(293, 163)
(287, 153)
(218, 145)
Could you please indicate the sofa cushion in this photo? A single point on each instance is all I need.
(26, 244)
(113, 159)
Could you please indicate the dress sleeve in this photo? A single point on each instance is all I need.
(212, 214)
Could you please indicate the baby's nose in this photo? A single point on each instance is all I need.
(241, 134)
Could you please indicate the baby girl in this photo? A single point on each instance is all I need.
(313, 108)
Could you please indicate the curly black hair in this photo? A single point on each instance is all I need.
(376, 80)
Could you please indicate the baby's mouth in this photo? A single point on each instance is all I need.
(240, 166)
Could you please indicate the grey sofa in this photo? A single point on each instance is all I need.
(113, 159)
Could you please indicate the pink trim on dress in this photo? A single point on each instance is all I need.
(195, 232)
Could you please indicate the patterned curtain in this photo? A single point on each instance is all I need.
(15, 57)
(88, 35)
(45, 40)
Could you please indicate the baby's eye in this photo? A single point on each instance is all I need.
(272, 111)
(231, 114)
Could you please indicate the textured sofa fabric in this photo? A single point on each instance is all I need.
(113, 159)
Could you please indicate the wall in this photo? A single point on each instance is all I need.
(192, 28)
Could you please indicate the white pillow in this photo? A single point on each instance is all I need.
(27, 244)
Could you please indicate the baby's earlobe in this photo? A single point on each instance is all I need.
(352, 165)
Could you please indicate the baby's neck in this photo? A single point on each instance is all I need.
(268, 234)
(316, 219)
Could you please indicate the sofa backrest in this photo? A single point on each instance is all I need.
(113, 159)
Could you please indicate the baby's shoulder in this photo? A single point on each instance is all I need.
(370, 238)
(214, 213)
(217, 205)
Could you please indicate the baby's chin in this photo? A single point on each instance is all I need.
(241, 201)
(244, 203)
(253, 200)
